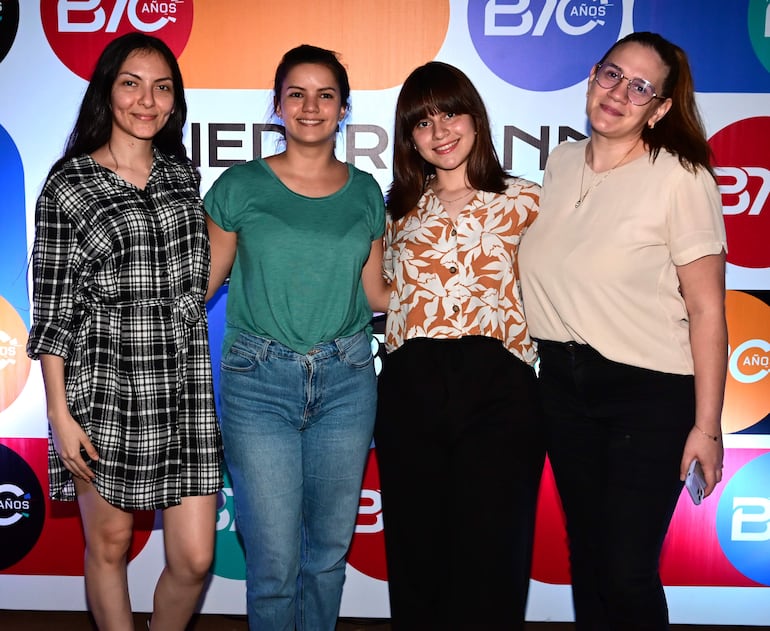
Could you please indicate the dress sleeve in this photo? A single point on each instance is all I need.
(52, 277)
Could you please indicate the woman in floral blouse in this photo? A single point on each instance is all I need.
(457, 434)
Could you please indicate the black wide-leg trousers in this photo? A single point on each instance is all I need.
(460, 452)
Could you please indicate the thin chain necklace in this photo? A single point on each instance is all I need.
(596, 182)
(456, 199)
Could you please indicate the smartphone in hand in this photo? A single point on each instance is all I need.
(695, 482)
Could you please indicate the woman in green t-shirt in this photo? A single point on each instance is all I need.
(299, 234)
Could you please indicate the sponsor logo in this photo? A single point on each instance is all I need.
(691, 554)
(13, 237)
(743, 520)
(22, 507)
(60, 521)
(524, 43)
(78, 30)
(14, 363)
(9, 24)
(759, 30)
(229, 558)
(238, 43)
(14, 503)
(367, 551)
(743, 24)
(743, 174)
(747, 391)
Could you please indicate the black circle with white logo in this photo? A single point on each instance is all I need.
(22, 507)
(9, 24)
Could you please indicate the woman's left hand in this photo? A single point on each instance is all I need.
(708, 452)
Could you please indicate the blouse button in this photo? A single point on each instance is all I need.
(455, 308)
(454, 232)
(453, 270)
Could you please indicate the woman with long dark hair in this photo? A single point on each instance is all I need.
(120, 265)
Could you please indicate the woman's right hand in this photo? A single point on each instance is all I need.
(71, 442)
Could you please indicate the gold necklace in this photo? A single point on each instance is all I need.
(596, 182)
(456, 199)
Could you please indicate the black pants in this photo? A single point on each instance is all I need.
(615, 438)
(460, 451)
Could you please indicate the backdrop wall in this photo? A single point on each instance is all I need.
(530, 60)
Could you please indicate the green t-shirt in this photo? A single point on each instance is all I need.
(296, 277)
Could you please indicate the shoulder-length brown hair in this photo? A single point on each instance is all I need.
(681, 130)
(431, 89)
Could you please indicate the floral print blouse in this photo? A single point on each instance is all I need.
(455, 279)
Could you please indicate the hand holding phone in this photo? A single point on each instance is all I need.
(695, 482)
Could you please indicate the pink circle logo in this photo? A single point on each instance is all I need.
(78, 30)
(742, 164)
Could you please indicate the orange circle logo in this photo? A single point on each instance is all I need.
(237, 44)
(747, 392)
(14, 363)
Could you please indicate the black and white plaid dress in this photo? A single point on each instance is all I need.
(119, 278)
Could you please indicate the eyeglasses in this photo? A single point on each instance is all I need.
(640, 91)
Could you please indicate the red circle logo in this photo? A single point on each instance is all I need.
(78, 30)
(743, 173)
(367, 551)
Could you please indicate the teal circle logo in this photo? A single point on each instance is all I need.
(229, 558)
(759, 30)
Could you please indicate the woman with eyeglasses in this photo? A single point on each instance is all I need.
(623, 282)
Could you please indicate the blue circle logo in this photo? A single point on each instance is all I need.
(543, 45)
(743, 520)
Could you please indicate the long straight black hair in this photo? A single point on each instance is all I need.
(93, 126)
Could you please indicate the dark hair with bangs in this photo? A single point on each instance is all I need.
(430, 89)
(680, 131)
(93, 127)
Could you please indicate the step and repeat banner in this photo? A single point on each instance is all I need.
(530, 60)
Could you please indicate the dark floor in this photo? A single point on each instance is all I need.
(72, 621)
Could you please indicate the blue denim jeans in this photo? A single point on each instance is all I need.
(297, 430)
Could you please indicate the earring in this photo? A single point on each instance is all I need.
(651, 124)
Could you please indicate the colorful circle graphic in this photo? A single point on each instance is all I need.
(743, 520)
(14, 363)
(747, 391)
(79, 31)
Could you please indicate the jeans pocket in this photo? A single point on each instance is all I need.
(356, 351)
(239, 359)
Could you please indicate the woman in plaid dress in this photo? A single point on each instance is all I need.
(120, 265)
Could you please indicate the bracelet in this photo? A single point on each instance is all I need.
(707, 435)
